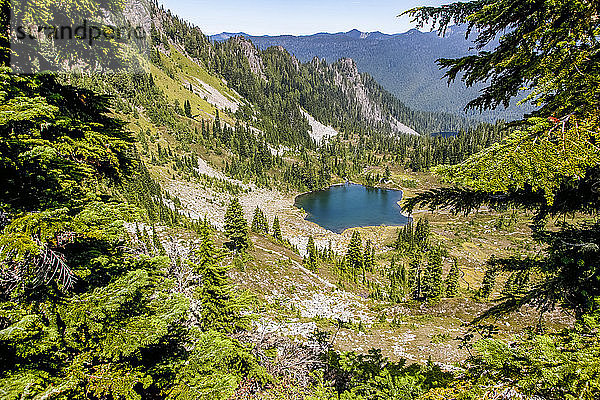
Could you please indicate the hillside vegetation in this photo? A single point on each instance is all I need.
(150, 247)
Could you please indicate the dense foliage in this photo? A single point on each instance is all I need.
(93, 305)
(81, 315)
(549, 166)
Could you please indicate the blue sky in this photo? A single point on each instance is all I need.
(297, 17)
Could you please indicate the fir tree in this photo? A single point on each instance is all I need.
(416, 277)
(277, 230)
(220, 309)
(236, 227)
(403, 278)
(311, 255)
(405, 237)
(549, 165)
(217, 123)
(387, 175)
(432, 282)
(516, 283)
(259, 222)
(83, 304)
(535, 167)
(138, 233)
(452, 280)
(187, 109)
(398, 281)
(354, 256)
(488, 283)
(421, 234)
(329, 251)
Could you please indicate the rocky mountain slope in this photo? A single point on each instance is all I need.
(347, 77)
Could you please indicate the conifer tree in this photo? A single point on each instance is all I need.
(329, 251)
(488, 283)
(236, 227)
(516, 283)
(277, 230)
(259, 222)
(421, 234)
(403, 278)
(217, 123)
(405, 236)
(255, 225)
(387, 175)
(369, 257)
(187, 109)
(452, 280)
(86, 320)
(416, 277)
(549, 165)
(220, 309)
(398, 281)
(138, 233)
(311, 254)
(354, 256)
(432, 282)
(394, 284)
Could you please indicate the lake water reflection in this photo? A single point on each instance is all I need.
(347, 206)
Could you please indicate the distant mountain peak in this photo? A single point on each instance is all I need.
(227, 35)
(352, 34)
(356, 34)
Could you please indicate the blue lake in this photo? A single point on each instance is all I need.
(347, 206)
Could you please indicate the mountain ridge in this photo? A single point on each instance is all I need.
(353, 33)
(403, 63)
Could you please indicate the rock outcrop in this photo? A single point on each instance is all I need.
(251, 53)
(349, 79)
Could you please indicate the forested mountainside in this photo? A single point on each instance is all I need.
(404, 64)
(257, 105)
(150, 249)
(335, 94)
